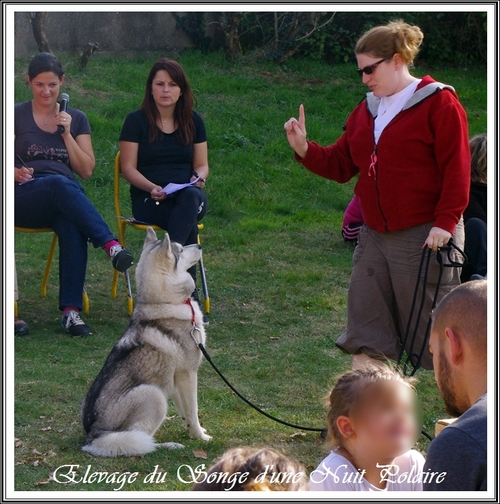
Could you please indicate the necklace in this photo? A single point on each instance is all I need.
(44, 118)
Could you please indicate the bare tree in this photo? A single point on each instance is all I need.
(37, 20)
(229, 22)
(293, 29)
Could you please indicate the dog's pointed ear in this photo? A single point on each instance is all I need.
(166, 242)
(150, 236)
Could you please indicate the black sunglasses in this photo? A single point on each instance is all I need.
(368, 70)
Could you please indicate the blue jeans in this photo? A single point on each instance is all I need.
(475, 248)
(60, 203)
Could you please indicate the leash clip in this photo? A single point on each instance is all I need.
(194, 330)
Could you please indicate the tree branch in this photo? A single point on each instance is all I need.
(307, 35)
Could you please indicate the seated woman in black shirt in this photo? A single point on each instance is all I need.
(163, 142)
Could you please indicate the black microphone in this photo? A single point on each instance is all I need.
(63, 107)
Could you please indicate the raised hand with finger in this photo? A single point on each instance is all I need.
(296, 133)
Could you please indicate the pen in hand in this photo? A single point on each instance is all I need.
(27, 167)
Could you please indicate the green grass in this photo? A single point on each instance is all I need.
(277, 266)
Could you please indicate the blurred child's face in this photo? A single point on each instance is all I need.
(386, 421)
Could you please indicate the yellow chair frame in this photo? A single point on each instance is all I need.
(122, 223)
(48, 265)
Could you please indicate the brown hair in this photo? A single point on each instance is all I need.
(261, 469)
(183, 114)
(348, 391)
(45, 62)
(464, 310)
(387, 40)
(478, 147)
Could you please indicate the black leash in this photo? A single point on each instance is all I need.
(262, 412)
(323, 431)
(414, 357)
(426, 252)
(411, 354)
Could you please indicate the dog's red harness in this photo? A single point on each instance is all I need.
(193, 315)
(195, 328)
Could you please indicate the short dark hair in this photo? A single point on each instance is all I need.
(464, 310)
(45, 62)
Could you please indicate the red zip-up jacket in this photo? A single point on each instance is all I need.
(418, 173)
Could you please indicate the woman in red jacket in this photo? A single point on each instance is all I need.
(409, 144)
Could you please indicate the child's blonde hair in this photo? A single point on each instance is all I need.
(348, 390)
(282, 474)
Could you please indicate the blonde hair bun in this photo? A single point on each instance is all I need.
(395, 37)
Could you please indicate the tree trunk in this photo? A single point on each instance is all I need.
(87, 53)
(276, 33)
(38, 26)
(230, 22)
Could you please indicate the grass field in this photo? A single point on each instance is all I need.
(277, 267)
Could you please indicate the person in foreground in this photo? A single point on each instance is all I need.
(409, 144)
(253, 469)
(458, 343)
(165, 142)
(372, 422)
(52, 145)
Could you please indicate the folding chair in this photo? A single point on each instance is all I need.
(43, 290)
(122, 223)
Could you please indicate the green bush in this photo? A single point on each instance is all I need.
(450, 38)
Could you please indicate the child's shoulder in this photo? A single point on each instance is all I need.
(335, 458)
(410, 459)
(335, 472)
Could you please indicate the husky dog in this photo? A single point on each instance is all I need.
(156, 358)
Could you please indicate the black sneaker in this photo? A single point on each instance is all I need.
(121, 258)
(75, 326)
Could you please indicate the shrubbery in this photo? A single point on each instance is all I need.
(451, 38)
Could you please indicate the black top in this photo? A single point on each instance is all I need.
(477, 202)
(43, 151)
(460, 452)
(165, 160)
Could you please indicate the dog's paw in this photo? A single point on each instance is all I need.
(200, 433)
(170, 446)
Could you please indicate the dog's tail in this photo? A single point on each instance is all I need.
(125, 443)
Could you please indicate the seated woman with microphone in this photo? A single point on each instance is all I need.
(52, 143)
